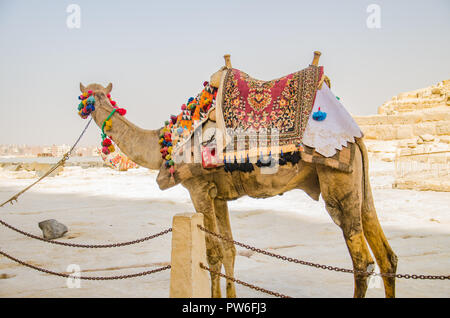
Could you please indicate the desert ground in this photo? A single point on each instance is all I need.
(100, 206)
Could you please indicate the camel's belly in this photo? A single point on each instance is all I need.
(263, 183)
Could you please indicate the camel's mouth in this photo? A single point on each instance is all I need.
(87, 104)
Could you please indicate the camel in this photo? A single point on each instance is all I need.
(348, 197)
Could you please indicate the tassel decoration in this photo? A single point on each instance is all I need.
(319, 115)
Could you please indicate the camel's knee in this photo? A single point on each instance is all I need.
(230, 250)
(347, 217)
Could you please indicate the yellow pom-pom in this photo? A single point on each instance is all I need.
(169, 150)
(111, 148)
(85, 94)
(107, 127)
(168, 157)
(84, 102)
(161, 141)
(108, 123)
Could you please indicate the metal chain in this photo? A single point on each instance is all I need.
(244, 283)
(327, 267)
(86, 245)
(160, 269)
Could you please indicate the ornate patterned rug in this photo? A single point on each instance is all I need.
(283, 104)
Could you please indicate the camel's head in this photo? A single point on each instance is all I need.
(96, 88)
(217, 76)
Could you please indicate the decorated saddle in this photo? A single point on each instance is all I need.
(310, 123)
(265, 109)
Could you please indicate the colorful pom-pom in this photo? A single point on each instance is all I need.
(121, 111)
(319, 115)
(91, 100)
(106, 142)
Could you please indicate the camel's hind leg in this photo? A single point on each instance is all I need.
(342, 193)
(385, 256)
(229, 250)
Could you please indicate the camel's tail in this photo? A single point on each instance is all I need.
(367, 191)
(385, 256)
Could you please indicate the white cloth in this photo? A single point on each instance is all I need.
(335, 130)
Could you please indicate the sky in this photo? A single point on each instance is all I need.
(157, 54)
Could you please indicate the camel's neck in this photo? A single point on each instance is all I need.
(138, 144)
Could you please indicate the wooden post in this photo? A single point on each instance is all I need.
(227, 58)
(187, 279)
(317, 55)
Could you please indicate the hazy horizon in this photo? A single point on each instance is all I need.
(157, 55)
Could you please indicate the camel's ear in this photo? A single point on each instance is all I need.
(82, 88)
(109, 88)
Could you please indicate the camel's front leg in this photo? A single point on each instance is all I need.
(202, 195)
(223, 221)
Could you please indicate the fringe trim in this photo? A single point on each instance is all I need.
(246, 166)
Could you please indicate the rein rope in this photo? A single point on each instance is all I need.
(85, 108)
(53, 168)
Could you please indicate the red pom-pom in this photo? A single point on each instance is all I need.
(121, 111)
(183, 107)
(106, 142)
(113, 103)
(89, 92)
(205, 83)
(108, 95)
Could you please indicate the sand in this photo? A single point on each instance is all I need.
(102, 206)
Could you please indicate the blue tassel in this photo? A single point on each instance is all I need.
(91, 100)
(319, 115)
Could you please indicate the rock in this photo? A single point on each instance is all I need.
(427, 137)
(388, 157)
(13, 167)
(445, 139)
(405, 132)
(436, 91)
(52, 229)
